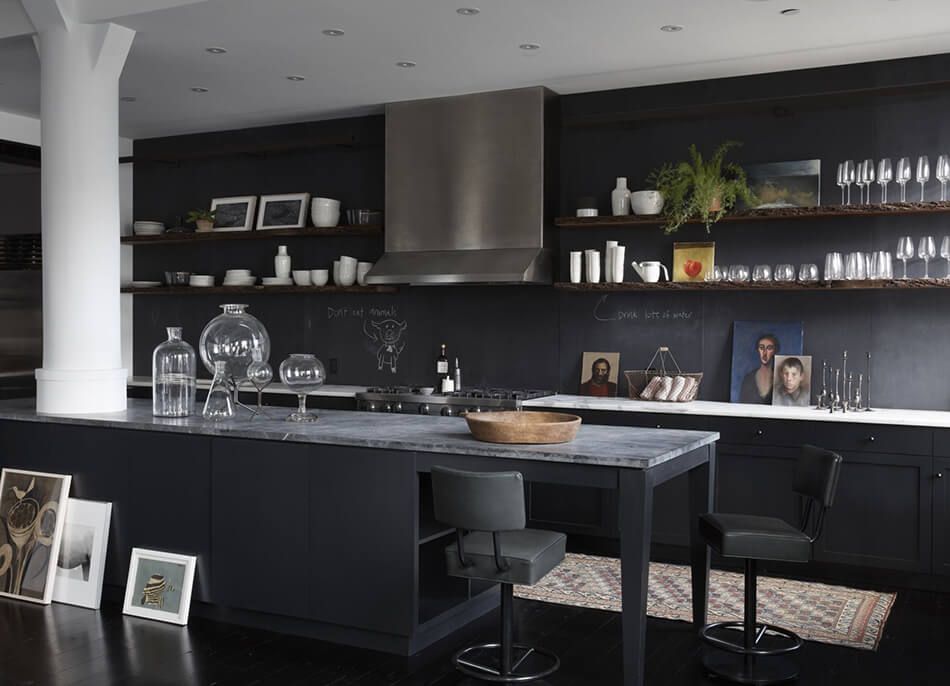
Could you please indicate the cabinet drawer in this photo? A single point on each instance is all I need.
(835, 436)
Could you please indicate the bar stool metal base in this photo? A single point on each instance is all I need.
(751, 669)
(494, 674)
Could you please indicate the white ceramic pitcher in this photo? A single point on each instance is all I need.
(650, 271)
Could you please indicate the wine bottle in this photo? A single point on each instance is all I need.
(442, 365)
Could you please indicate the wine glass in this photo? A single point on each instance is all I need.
(926, 250)
(943, 174)
(868, 178)
(945, 252)
(859, 181)
(905, 251)
(885, 174)
(840, 180)
(849, 177)
(903, 176)
(260, 374)
(923, 173)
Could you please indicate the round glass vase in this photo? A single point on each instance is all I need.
(302, 373)
(173, 376)
(232, 337)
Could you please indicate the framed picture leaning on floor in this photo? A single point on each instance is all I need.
(159, 586)
(81, 562)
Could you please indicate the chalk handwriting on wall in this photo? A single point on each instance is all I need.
(388, 334)
(604, 312)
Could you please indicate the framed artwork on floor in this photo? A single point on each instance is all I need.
(599, 374)
(159, 586)
(754, 347)
(32, 509)
(82, 554)
(234, 214)
(287, 211)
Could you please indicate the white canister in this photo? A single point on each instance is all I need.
(593, 266)
(336, 272)
(609, 261)
(362, 269)
(619, 254)
(347, 270)
(577, 266)
(620, 198)
(282, 263)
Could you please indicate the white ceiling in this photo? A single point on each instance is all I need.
(590, 45)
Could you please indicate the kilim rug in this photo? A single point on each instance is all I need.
(816, 612)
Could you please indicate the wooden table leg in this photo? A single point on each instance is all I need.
(702, 486)
(636, 521)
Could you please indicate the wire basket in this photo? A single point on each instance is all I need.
(663, 366)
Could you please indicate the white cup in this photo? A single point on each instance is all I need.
(619, 254)
(362, 269)
(576, 266)
(319, 277)
(325, 212)
(593, 265)
(609, 261)
(302, 277)
(347, 271)
(336, 272)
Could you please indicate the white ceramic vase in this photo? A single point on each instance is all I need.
(620, 198)
(282, 263)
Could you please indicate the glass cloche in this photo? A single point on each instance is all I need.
(232, 337)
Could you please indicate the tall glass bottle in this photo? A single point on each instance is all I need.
(219, 404)
(173, 376)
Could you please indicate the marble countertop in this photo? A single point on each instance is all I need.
(611, 446)
(327, 390)
(923, 418)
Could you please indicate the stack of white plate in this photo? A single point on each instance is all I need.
(276, 281)
(147, 228)
(239, 277)
(201, 280)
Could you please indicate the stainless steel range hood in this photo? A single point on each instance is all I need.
(470, 189)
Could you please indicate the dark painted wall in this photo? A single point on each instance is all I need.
(531, 336)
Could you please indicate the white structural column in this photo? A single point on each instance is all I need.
(82, 350)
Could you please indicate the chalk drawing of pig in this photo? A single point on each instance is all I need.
(388, 333)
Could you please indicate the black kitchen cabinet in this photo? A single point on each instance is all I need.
(941, 528)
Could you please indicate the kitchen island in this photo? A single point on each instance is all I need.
(326, 529)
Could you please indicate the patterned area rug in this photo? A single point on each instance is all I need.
(816, 612)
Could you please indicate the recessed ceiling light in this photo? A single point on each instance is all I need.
(790, 11)
(296, 77)
(216, 51)
(333, 32)
(406, 64)
(127, 98)
(671, 28)
(199, 89)
(468, 11)
(530, 46)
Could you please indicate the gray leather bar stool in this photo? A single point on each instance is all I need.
(492, 544)
(767, 538)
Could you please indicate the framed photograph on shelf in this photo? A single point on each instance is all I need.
(754, 347)
(82, 555)
(599, 374)
(785, 184)
(792, 383)
(159, 586)
(287, 211)
(234, 214)
(32, 509)
(693, 261)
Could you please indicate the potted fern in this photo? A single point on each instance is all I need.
(698, 188)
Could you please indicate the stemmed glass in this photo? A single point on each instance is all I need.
(923, 173)
(260, 374)
(848, 177)
(945, 252)
(926, 250)
(885, 174)
(868, 178)
(859, 181)
(905, 251)
(943, 174)
(841, 180)
(903, 176)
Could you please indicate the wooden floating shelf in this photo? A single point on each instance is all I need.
(310, 232)
(668, 286)
(823, 212)
(255, 290)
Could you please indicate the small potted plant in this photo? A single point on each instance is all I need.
(698, 188)
(202, 219)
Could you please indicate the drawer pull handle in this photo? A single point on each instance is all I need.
(758, 432)
(939, 475)
(659, 426)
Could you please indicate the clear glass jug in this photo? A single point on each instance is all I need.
(173, 376)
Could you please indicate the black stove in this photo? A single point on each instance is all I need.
(412, 400)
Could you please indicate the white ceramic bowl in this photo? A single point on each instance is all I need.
(276, 281)
(319, 277)
(646, 202)
(240, 281)
(301, 277)
(324, 212)
(237, 272)
(201, 280)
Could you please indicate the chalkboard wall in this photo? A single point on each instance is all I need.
(534, 336)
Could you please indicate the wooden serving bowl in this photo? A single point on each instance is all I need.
(523, 427)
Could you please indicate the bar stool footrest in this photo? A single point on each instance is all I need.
(795, 640)
(520, 653)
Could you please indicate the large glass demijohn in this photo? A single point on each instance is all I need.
(232, 337)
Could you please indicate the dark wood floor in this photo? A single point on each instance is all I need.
(60, 645)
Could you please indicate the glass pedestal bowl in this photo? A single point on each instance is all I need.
(302, 373)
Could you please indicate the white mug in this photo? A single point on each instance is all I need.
(576, 266)
(593, 265)
(609, 261)
(347, 271)
(650, 271)
(619, 253)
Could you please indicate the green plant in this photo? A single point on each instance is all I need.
(704, 189)
(200, 215)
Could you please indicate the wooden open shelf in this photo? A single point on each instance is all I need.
(824, 212)
(309, 232)
(255, 290)
(669, 286)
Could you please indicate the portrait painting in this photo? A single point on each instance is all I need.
(32, 511)
(234, 214)
(159, 586)
(82, 555)
(791, 386)
(754, 347)
(693, 261)
(599, 374)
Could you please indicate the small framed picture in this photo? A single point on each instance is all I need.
(234, 214)
(82, 554)
(792, 384)
(693, 261)
(159, 586)
(796, 183)
(32, 516)
(288, 211)
(599, 374)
